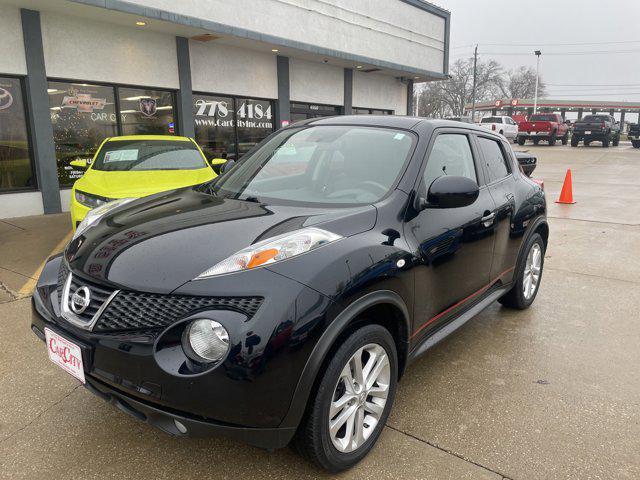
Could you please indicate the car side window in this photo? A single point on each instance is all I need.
(494, 159)
(451, 155)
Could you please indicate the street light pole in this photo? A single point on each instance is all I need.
(535, 100)
(473, 94)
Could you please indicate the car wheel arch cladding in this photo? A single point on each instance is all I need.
(338, 326)
(539, 226)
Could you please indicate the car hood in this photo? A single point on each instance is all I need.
(140, 183)
(160, 242)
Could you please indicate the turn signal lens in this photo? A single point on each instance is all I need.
(206, 341)
(272, 250)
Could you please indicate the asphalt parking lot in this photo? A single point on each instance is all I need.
(551, 392)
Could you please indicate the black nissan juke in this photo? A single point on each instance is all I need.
(282, 301)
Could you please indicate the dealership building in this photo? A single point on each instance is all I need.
(225, 72)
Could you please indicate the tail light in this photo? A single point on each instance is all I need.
(493, 127)
(602, 125)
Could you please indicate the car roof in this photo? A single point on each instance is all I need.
(174, 138)
(390, 121)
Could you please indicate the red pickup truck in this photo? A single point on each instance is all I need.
(543, 126)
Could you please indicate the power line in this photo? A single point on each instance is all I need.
(595, 52)
(593, 84)
(622, 42)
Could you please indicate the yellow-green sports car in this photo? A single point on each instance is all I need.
(135, 166)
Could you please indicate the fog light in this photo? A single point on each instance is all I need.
(206, 341)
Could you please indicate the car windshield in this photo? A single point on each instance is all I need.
(320, 165)
(137, 155)
(542, 118)
(491, 120)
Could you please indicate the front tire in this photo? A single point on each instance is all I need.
(529, 275)
(635, 143)
(351, 404)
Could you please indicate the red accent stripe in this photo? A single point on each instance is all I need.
(475, 294)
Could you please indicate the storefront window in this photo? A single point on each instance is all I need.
(15, 160)
(83, 116)
(371, 111)
(215, 126)
(255, 122)
(229, 127)
(146, 112)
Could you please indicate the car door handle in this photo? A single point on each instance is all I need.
(487, 220)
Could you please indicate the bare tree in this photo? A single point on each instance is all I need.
(521, 83)
(449, 97)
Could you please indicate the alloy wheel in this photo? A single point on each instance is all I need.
(359, 398)
(532, 271)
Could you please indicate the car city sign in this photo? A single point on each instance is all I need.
(83, 102)
(6, 99)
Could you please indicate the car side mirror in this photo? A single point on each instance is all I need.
(451, 192)
(80, 163)
(217, 164)
(227, 166)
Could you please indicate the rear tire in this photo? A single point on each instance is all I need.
(635, 143)
(521, 141)
(616, 141)
(339, 380)
(574, 141)
(565, 139)
(605, 143)
(552, 139)
(536, 141)
(528, 276)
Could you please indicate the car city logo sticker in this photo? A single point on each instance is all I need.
(80, 300)
(148, 106)
(83, 102)
(6, 99)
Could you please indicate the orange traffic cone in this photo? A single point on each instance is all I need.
(566, 195)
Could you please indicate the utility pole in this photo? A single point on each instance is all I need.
(473, 94)
(535, 100)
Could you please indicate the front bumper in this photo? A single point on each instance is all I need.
(181, 424)
(247, 397)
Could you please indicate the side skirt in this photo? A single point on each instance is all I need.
(453, 325)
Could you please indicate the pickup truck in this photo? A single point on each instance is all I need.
(502, 124)
(598, 128)
(634, 135)
(544, 126)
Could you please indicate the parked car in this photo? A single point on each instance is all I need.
(634, 135)
(527, 161)
(136, 166)
(598, 128)
(544, 126)
(503, 125)
(279, 307)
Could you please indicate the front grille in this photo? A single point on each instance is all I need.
(139, 311)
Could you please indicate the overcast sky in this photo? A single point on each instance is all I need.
(538, 23)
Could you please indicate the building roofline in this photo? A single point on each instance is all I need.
(124, 6)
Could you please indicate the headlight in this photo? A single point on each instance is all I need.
(91, 201)
(272, 250)
(93, 216)
(205, 341)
